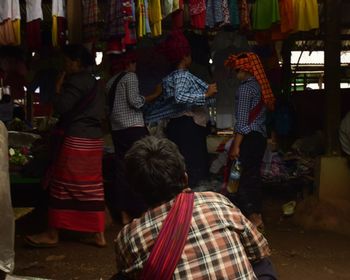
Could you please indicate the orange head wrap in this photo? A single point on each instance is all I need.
(251, 63)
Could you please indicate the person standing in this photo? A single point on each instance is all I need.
(183, 106)
(127, 126)
(76, 194)
(252, 98)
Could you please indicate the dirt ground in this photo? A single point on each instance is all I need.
(297, 253)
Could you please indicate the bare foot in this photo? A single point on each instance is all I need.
(95, 239)
(100, 239)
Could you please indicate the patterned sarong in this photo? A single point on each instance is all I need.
(76, 191)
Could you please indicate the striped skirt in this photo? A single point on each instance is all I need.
(76, 189)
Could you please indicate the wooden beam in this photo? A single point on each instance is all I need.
(332, 75)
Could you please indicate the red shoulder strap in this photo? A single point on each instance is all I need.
(253, 114)
(171, 240)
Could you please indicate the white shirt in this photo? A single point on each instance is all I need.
(58, 8)
(34, 10)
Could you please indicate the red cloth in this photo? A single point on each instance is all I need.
(34, 35)
(76, 190)
(172, 238)
(175, 47)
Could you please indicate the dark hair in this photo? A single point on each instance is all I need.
(155, 169)
(78, 52)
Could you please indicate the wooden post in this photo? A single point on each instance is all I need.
(332, 75)
(74, 21)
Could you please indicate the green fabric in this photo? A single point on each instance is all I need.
(264, 14)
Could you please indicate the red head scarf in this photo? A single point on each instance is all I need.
(251, 63)
(175, 47)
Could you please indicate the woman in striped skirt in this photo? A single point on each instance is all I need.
(76, 195)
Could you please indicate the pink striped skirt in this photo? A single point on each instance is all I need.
(76, 190)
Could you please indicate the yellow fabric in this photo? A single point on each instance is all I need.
(141, 27)
(7, 33)
(155, 17)
(306, 15)
(17, 30)
(54, 31)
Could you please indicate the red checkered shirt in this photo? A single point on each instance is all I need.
(221, 243)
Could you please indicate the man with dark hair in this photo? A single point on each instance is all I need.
(217, 241)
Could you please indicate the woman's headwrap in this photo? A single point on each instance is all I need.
(175, 47)
(251, 63)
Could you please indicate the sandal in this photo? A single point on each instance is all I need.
(34, 244)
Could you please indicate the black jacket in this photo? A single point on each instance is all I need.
(85, 124)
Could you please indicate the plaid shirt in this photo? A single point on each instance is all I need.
(181, 91)
(127, 103)
(221, 242)
(247, 97)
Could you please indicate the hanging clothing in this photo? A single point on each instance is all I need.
(90, 20)
(197, 10)
(265, 13)
(306, 15)
(177, 17)
(7, 33)
(33, 28)
(244, 12)
(287, 16)
(234, 12)
(155, 17)
(129, 22)
(58, 23)
(226, 12)
(34, 10)
(214, 13)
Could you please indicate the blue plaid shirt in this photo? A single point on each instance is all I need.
(181, 91)
(247, 97)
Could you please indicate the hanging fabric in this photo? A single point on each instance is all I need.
(10, 22)
(197, 11)
(90, 20)
(155, 17)
(177, 17)
(265, 13)
(306, 15)
(244, 15)
(129, 22)
(214, 13)
(226, 12)
(58, 23)
(234, 12)
(34, 18)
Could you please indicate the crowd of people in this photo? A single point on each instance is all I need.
(153, 176)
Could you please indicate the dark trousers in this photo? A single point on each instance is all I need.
(122, 196)
(191, 140)
(249, 192)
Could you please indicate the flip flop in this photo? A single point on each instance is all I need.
(33, 244)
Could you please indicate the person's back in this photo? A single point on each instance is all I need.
(221, 243)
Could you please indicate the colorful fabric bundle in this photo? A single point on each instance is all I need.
(251, 63)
